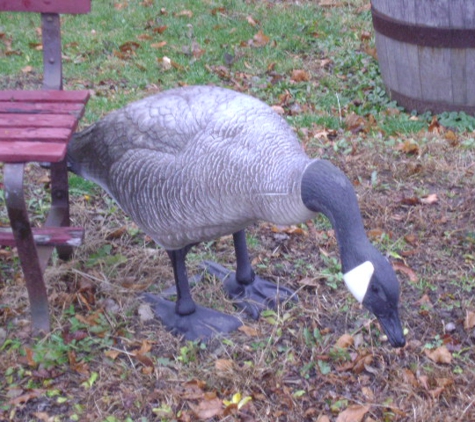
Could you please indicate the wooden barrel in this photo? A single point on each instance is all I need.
(426, 53)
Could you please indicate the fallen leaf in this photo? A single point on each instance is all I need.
(410, 378)
(217, 10)
(408, 147)
(112, 354)
(451, 137)
(344, 341)
(299, 75)
(469, 320)
(368, 393)
(429, 199)
(165, 62)
(439, 355)
(160, 29)
(353, 413)
(43, 416)
(355, 123)
(251, 21)
(184, 13)
(27, 397)
(145, 312)
(158, 44)
(117, 233)
(399, 266)
(330, 3)
(207, 409)
(224, 365)
(435, 126)
(27, 69)
(120, 6)
(412, 201)
(249, 331)
(260, 39)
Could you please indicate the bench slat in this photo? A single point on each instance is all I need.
(76, 109)
(47, 236)
(23, 152)
(47, 6)
(35, 134)
(45, 96)
(34, 120)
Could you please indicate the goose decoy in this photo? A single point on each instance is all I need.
(195, 163)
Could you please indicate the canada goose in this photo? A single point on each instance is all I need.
(195, 163)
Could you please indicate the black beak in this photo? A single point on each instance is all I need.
(392, 327)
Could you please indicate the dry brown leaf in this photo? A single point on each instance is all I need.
(429, 199)
(27, 397)
(145, 312)
(117, 233)
(399, 266)
(160, 29)
(112, 354)
(217, 10)
(330, 3)
(299, 75)
(278, 109)
(43, 416)
(353, 413)
(224, 365)
(120, 6)
(249, 331)
(439, 355)
(436, 392)
(251, 21)
(158, 44)
(260, 39)
(469, 320)
(29, 355)
(344, 341)
(207, 409)
(196, 50)
(355, 123)
(410, 378)
(368, 393)
(27, 69)
(184, 13)
(451, 137)
(435, 126)
(408, 147)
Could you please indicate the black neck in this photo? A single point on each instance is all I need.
(327, 190)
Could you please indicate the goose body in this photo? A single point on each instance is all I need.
(195, 163)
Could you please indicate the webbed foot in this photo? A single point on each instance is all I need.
(202, 324)
(251, 298)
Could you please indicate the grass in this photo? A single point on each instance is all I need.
(105, 360)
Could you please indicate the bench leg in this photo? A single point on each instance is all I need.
(59, 214)
(27, 251)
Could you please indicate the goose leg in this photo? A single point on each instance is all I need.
(250, 292)
(184, 317)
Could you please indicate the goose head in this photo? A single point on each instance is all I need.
(367, 273)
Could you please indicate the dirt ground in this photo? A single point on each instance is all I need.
(417, 200)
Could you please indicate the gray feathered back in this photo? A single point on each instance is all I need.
(195, 163)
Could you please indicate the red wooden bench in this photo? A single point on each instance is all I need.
(37, 125)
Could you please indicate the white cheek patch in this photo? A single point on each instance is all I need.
(357, 280)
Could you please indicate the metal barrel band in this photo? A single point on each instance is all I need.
(422, 35)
